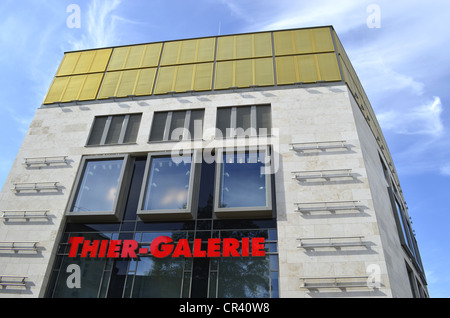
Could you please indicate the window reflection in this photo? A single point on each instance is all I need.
(99, 186)
(242, 182)
(168, 184)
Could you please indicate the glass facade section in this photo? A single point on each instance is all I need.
(168, 184)
(151, 277)
(99, 186)
(243, 183)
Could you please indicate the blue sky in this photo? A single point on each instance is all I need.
(403, 65)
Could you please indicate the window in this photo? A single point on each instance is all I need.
(177, 125)
(168, 187)
(99, 187)
(243, 121)
(113, 130)
(243, 184)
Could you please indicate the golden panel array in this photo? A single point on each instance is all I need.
(204, 64)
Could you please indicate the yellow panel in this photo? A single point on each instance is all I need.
(134, 56)
(287, 72)
(283, 43)
(118, 58)
(56, 90)
(151, 55)
(145, 81)
(203, 76)
(302, 41)
(262, 45)
(101, 60)
(170, 53)
(188, 50)
(109, 85)
(328, 66)
(322, 40)
(84, 62)
(264, 72)
(244, 46)
(226, 48)
(224, 75)
(68, 64)
(206, 49)
(244, 73)
(165, 79)
(90, 87)
(127, 83)
(307, 68)
(73, 88)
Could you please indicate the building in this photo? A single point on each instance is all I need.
(248, 165)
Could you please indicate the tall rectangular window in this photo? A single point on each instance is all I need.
(243, 184)
(99, 187)
(168, 187)
(177, 125)
(114, 130)
(243, 121)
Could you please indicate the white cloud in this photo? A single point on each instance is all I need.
(99, 25)
(425, 119)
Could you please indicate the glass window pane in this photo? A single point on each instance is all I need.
(168, 184)
(132, 128)
(158, 126)
(99, 186)
(242, 182)
(244, 277)
(223, 121)
(263, 120)
(196, 124)
(177, 125)
(114, 130)
(243, 121)
(97, 130)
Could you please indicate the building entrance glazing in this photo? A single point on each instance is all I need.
(151, 277)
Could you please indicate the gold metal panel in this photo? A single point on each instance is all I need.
(101, 59)
(164, 80)
(68, 64)
(188, 51)
(73, 88)
(303, 41)
(109, 85)
(307, 68)
(183, 78)
(224, 75)
(287, 72)
(328, 67)
(244, 73)
(91, 86)
(135, 56)
(244, 46)
(56, 90)
(127, 83)
(145, 80)
(203, 77)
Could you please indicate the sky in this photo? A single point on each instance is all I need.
(399, 50)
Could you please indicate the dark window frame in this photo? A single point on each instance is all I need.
(167, 130)
(234, 131)
(107, 130)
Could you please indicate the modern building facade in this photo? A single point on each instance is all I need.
(248, 165)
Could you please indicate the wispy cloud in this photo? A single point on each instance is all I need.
(423, 120)
(99, 25)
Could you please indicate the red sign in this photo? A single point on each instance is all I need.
(164, 246)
